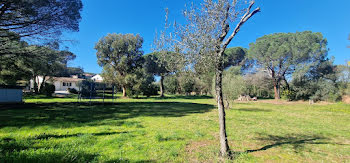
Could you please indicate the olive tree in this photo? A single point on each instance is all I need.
(122, 54)
(204, 38)
(154, 65)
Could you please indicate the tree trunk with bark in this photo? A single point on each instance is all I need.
(124, 90)
(221, 44)
(286, 82)
(224, 147)
(276, 87)
(42, 85)
(35, 84)
(161, 86)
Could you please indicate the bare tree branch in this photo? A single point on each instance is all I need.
(245, 17)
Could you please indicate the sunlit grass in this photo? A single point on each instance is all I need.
(172, 129)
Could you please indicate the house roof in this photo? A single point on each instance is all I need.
(66, 79)
(88, 75)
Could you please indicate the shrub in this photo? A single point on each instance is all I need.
(171, 84)
(150, 90)
(130, 93)
(288, 95)
(326, 91)
(233, 84)
(141, 83)
(48, 89)
(186, 82)
(72, 90)
(87, 88)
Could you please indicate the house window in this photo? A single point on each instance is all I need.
(67, 84)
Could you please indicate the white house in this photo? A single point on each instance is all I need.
(11, 94)
(97, 78)
(61, 83)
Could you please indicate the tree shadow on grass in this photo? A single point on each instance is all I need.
(195, 97)
(23, 150)
(297, 142)
(48, 136)
(83, 114)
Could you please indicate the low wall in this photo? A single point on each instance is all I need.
(11, 95)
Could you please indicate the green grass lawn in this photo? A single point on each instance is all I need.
(173, 129)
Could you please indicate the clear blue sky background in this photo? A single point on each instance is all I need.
(100, 17)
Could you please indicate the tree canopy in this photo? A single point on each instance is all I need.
(284, 53)
(39, 18)
(121, 53)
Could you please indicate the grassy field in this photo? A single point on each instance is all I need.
(173, 129)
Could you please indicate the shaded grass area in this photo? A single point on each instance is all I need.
(84, 114)
(171, 129)
(80, 132)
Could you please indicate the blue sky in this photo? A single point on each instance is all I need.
(144, 17)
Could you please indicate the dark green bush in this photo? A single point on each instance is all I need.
(171, 84)
(87, 88)
(48, 89)
(72, 90)
(150, 90)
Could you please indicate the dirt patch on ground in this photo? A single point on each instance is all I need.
(346, 99)
(195, 147)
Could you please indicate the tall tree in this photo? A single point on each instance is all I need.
(154, 65)
(122, 53)
(40, 19)
(317, 81)
(48, 62)
(284, 53)
(166, 58)
(205, 37)
(235, 56)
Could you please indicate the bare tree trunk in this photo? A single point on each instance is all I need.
(224, 148)
(161, 86)
(124, 91)
(286, 82)
(113, 93)
(35, 84)
(42, 85)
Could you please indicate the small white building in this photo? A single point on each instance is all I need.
(61, 83)
(11, 94)
(97, 78)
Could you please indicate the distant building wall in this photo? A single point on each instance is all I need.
(60, 83)
(59, 86)
(97, 78)
(11, 95)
